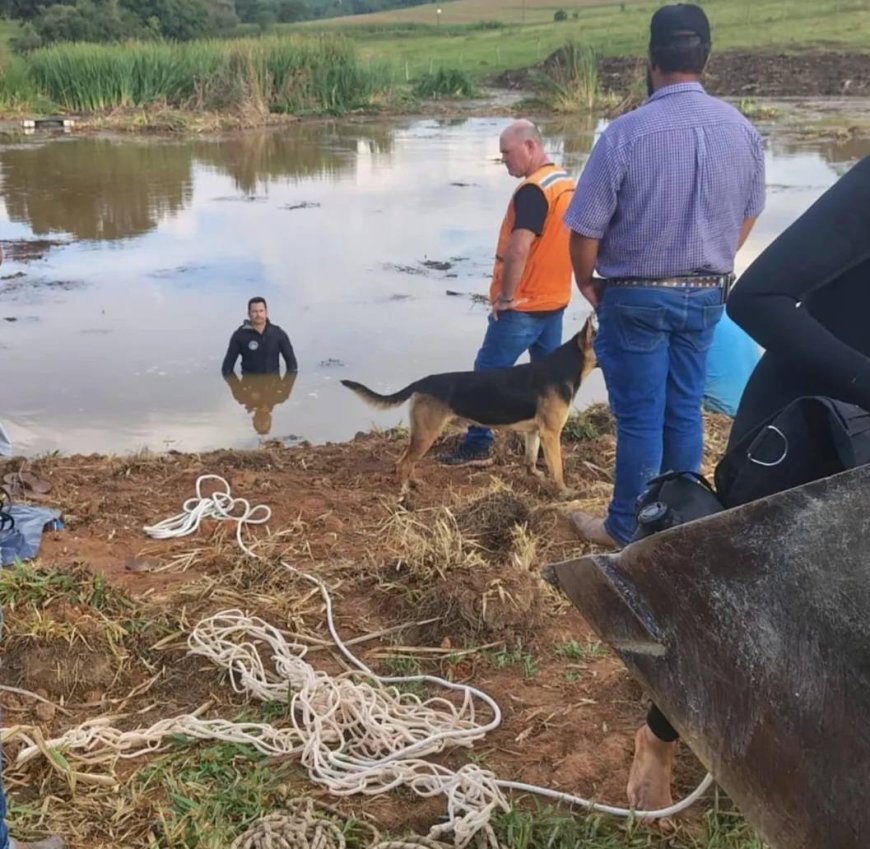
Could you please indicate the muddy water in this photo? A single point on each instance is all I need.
(367, 239)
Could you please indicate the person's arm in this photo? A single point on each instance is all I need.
(830, 238)
(745, 230)
(590, 212)
(530, 215)
(233, 350)
(286, 351)
(584, 255)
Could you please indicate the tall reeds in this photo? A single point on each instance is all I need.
(294, 75)
(569, 79)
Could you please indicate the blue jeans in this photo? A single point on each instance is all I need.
(505, 341)
(652, 348)
(4, 831)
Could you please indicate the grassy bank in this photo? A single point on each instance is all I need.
(372, 60)
(295, 75)
(483, 37)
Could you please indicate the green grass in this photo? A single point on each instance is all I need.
(26, 585)
(458, 42)
(588, 650)
(206, 795)
(293, 70)
(548, 828)
(444, 83)
(517, 656)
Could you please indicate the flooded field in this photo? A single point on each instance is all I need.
(130, 262)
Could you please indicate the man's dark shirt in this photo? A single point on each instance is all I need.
(261, 391)
(259, 351)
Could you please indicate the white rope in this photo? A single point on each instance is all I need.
(352, 732)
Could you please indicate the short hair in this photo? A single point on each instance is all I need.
(685, 54)
(257, 300)
(525, 130)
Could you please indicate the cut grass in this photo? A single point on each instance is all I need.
(612, 28)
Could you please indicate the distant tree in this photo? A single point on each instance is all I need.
(27, 10)
(292, 10)
(87, 20)
(561, 15)
(246, 10)
(186, 19)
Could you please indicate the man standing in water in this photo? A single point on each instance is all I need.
(531, 278)
(259, 342)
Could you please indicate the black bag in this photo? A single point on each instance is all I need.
(811, 438)
(673, 498)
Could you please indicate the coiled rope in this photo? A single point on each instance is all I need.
(353, 732)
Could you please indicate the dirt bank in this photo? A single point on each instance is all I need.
(766, 74)
(99, 622)
(738, 74)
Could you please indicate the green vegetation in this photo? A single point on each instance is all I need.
(547, 828)
(569, 80)
(444, 83)
(525, 34)
(589, 650)
(295, 76)
(516, 656)
(288, 67)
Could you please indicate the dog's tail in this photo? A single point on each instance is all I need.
(383, 402)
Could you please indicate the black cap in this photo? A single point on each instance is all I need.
(678, 21)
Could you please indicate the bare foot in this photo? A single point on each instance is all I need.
(649, 781)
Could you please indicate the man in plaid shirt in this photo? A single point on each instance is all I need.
(668, 195)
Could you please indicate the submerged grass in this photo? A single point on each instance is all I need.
(569, 80)
(445, 82)
(293, 75)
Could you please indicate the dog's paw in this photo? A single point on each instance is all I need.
(565, 493)
(534, 471)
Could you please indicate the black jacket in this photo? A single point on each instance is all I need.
(259, 351)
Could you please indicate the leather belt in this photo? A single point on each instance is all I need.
(715, 281)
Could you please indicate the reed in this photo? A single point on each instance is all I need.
(295, 75)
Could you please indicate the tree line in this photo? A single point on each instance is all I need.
(51, 21)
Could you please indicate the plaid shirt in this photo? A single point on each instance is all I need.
(667, 186)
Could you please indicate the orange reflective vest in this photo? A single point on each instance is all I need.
(546, 280)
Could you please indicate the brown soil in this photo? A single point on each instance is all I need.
(568, 721)
(766, 74)
(733, 73)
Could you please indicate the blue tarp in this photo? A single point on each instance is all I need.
(22, 541)
(730, 361)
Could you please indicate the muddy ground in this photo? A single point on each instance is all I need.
(739, 74)
(467, 554)
(766, 74)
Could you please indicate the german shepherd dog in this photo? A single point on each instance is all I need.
(533, 398)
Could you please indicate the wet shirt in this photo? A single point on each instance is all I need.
(668, 186)
(259, 351)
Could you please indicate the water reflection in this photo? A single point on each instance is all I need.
(358, 233)
(260, 394)
(95, 188)
(323, 149)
